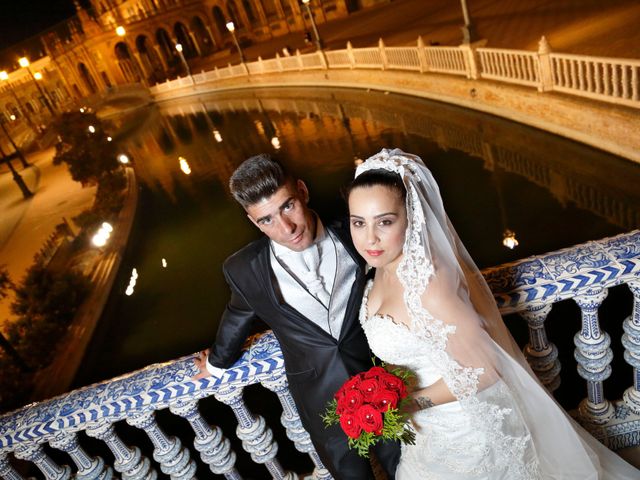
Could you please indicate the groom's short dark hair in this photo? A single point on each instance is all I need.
(256, 178)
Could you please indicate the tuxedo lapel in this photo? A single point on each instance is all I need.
(262, 268)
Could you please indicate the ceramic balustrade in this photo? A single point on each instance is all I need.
(584, 274)
(135, 398)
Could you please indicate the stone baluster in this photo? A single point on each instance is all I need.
(173, 458)
(88, 468)
(36, 454)
(128, 461)
(215, 449)
(7, 472)
(545, 65)
(631, 343)
(257, 438)
(541, 354)
(291, 422)
(594, 358)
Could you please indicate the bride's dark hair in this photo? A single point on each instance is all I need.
(381, 177)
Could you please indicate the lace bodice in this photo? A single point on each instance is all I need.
(395, 344)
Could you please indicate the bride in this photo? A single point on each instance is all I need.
(479, 411)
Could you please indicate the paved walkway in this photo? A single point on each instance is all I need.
(589, 27)
(26, 224)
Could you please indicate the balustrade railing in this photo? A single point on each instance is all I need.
(530, 287)
(135, 398)
(514, 66)
(610, 80)
(583, 274)
(598, 78)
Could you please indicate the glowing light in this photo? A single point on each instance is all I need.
(24, 62)
(12, 117)
(101, 237)
(122, 158)
(37, 76)
(217, 136)
(275, 141)
(81, 109)
(109, 139)
(164, 263)
(132, 283)
(4, 75)
(92, 129)
(120, 31)
(230, 26)
(509, 239)
(184, 165)
(179, 47)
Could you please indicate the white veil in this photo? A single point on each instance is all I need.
(451, 307)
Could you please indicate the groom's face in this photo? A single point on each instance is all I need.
(285, 218)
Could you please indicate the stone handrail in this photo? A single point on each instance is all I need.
(530, 286)
(135, 397)
(583, 273)
(610, 80)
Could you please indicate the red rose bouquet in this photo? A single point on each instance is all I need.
(367, 407)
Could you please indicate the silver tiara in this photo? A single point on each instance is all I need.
(392, 160)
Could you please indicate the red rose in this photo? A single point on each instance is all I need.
(352, 384)
(384, 399)
(369, 419)
(375, 372)
(350, 402)
(392, 382)
(350, 425)
(369, 387)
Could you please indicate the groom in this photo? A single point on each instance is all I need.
(305, 281)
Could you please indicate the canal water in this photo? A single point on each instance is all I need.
(494, 176)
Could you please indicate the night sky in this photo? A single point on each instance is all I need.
(21, 19)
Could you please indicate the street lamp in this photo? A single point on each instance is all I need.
(468, 31)
(24, 63)
(5, 76)
(313, 24)
(120, 31)
(232, 28)
(26, 193)
(38, 76)
(184, 60)
(23, 160)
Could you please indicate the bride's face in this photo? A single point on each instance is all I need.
(378, 221)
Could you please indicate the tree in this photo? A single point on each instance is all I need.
(83, 145)
(5, 282)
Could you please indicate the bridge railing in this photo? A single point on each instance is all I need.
(583, 274)
(530, 287)
(611, 80)
(134, 398)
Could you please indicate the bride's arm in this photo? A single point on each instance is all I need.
(435, 394)
(447, 301)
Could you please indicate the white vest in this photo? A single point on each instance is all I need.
(338, 272)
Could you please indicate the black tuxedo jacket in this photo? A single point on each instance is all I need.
(316, 363)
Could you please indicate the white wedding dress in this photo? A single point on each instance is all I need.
(447, 444)
(503, 425)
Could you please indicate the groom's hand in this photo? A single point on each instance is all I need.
(201, 364)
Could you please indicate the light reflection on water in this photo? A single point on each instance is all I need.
(494, 175)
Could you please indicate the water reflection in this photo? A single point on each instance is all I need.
(495, 176)
(320, 131)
